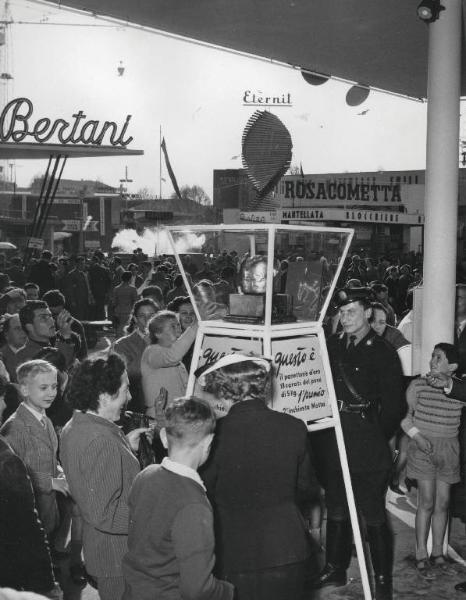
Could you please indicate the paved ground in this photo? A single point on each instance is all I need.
(406, 580)
(407, 583)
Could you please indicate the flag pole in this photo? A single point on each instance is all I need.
(160, 162)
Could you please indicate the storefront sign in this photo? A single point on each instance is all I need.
(331, 214)
(300, 388)
(71, 225)
(37, 243)
(92, 226)
(361, 216)
(16, 126)
(257, 98)
(339, 191)
(260, 217)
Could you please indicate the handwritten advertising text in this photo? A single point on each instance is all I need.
(300, 387)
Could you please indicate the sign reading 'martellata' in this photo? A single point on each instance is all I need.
(16, 125)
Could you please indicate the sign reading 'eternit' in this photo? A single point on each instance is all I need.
(16, 125)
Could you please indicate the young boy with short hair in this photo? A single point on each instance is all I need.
(432, 424)
(171, 536)
(31, 435)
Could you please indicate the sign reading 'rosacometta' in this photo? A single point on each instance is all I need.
(346, 191)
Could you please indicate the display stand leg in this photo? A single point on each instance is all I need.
(353, 512)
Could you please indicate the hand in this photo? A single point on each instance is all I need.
(439, 380)
(64, 321)
(160, 405)
(59, 484)
(211, 310)
(133, 437)
(423, 443)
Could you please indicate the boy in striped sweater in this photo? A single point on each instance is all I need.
(432, 423)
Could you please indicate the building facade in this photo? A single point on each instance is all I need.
(386, 208)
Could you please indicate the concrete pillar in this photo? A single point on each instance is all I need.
(441, 201)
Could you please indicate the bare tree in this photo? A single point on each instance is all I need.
(194, 193)
(146, 193)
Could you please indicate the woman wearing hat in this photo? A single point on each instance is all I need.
(258, 468)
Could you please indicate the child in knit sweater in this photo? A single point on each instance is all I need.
(432, 424)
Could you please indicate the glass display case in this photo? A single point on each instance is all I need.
(260, 275)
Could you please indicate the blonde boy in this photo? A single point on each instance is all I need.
(31, 435)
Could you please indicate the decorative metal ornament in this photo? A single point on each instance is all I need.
(266, 151)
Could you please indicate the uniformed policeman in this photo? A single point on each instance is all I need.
(368, 383)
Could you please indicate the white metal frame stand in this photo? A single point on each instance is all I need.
(267, 333)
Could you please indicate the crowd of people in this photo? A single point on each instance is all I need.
(103, 458)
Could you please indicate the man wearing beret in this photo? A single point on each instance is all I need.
(369, 388)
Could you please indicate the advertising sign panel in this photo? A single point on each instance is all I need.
(300, 388)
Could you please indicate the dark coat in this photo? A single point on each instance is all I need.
(43, 276)
(100, 282)
(460, 343)
(24, 552)
(259, 465)
(458, 390)
(374, 370)
(77, 294)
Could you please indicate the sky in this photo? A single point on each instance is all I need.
(195, 95)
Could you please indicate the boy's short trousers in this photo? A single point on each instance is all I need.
(443, 464)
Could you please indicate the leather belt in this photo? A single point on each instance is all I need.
(352, 408)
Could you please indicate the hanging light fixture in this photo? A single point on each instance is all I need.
(314, 78)
(357, 94)
(429, 10)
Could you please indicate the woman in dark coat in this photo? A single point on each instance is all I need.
(258, 471)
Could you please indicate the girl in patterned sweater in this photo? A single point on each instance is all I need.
(432, 424)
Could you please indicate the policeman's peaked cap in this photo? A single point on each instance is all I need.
(347, 295)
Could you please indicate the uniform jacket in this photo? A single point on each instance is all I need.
(25, 561)
(37, 447)
(458, 390)
(258, 466)
(460, 343)
(100, 467)
(374, 370)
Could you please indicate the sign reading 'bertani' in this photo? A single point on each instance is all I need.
(16, 125)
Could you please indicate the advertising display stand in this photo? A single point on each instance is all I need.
(267, 305)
